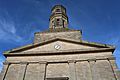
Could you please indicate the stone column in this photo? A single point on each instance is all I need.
(22, 71)
(72, 72)
(42, 74)
(4, 71)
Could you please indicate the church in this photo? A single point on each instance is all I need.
(59, 53)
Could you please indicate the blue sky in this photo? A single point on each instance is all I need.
(99, 21)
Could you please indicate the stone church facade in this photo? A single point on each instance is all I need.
(59, 53)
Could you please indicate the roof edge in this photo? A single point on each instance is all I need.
(61, 39)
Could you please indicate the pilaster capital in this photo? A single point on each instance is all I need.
(6, 63)
(71, 61)
(24, 63)
(42, 62)
(89, 60)
(111, 58)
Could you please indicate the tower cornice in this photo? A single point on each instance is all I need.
(58, 6)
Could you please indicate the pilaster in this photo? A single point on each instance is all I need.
(114, 68)
(94, 71)
(4, 71)
(72, 72)
(22, 71)
(42, 72)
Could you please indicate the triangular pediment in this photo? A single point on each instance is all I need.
(61, 45)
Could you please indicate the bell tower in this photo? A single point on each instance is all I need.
(58, 18)
(58, 27)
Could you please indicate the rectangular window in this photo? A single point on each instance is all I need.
(58, 78)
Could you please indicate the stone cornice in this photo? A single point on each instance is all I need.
(63, 61)
(61, 52)
(64, 30)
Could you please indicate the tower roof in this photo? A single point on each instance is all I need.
(58, 6)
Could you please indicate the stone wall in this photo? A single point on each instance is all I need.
(42, 36)
(92, 66)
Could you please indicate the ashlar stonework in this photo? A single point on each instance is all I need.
(60, 54)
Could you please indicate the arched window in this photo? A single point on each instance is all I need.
(58, 22)
(53, 25)
(63, 23)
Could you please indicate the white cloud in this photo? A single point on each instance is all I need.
(8, 29)
(7, 25)
(1, 62)
(1, 66)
